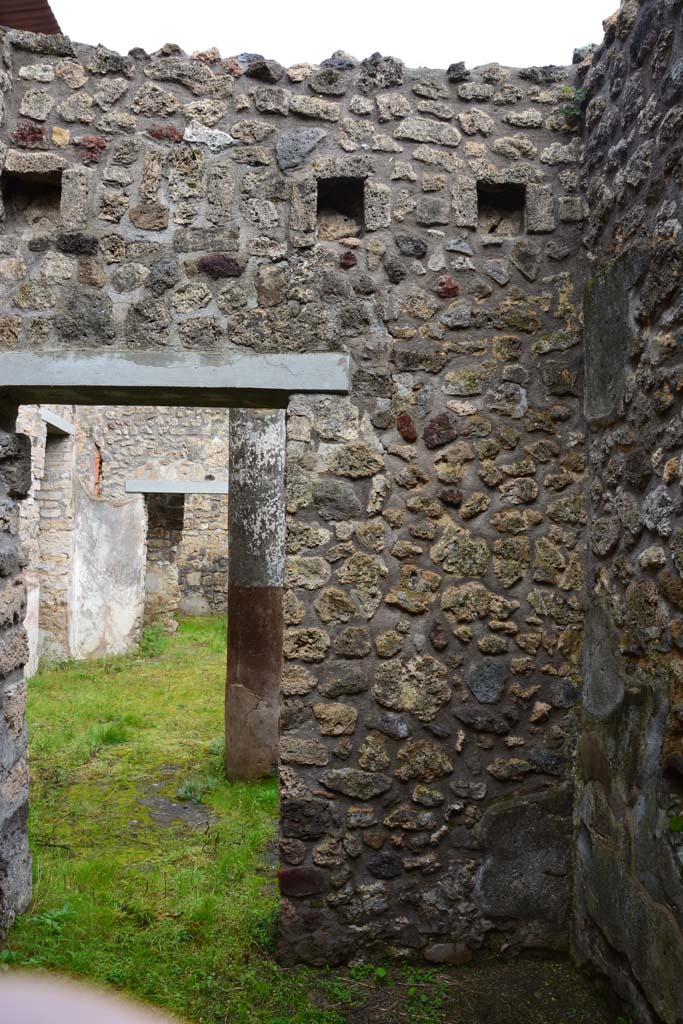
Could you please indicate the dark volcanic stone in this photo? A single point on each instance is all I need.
(265, 70)
(389, 724)
(438, 636)
(301, 881)
(385, 865)
(396, 272)
(75, 244)
(526, 871)
(451, 496)
(410, 245)
(292, 148)
(378, 72)
(339, 60)
(481, 722)
(163, 275)
(216, 265)
(328, 82)
(486, 681)
(86, 316)
(547, 760)
(304, 819)
(335, 499)
(549, 73)
(458, 72)
(440, 430)
(353, 782)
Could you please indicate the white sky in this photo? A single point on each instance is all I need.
(434, 33)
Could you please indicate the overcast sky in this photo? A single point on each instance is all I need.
(432, 34)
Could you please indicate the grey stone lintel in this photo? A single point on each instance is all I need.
(56, 424)
(176, 487)
(232, 379)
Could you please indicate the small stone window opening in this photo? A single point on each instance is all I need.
(32, 200)
(501, 209)
(341, 208)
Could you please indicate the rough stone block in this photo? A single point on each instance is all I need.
(540, 209)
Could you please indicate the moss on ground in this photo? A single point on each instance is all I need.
(155, 876)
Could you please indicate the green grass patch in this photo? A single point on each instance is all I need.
(155, 876)
(179, 913)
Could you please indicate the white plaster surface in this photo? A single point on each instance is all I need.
(108, 575)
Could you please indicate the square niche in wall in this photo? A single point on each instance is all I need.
(31, 200)
(341, 208)
(501, 209)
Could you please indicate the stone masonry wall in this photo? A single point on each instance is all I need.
(47, 517)
(15, 859)
(428, 223)
(170, 444)
(629, 896)
(164, 530)
(203, 555)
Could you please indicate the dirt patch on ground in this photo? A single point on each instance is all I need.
(168, 812)
(497, 991)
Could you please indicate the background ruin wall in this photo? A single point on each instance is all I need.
(87, 543)
(436, 516)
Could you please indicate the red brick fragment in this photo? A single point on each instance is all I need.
(447, 287)
(165, 133)
(347, 260)
(406, 427)
(29, 136)
(90, 147)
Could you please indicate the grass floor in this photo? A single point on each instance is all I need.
(154, 875)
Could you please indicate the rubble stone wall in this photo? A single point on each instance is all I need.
(111, 445)
(629, 896)
(430, 224)
(15, 858)
(47, 518)
(203, 555)
(169, 444)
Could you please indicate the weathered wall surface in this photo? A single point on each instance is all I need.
(108, 575)
(30, 423)
(15, 859)
(47, 521)
(629, 898)
(203, 555)
(435, 517)
(164, 530)
(111, 445)
(169, 444)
